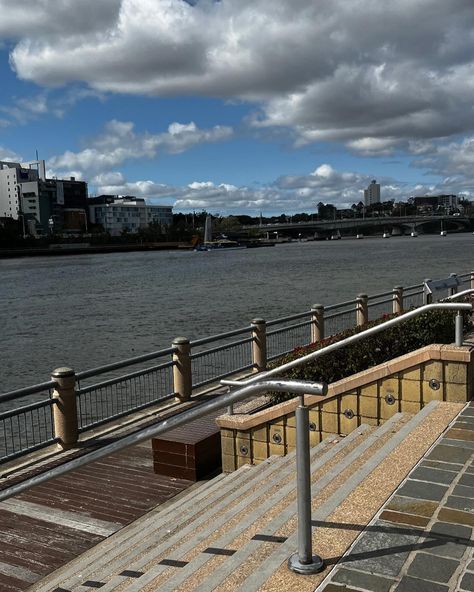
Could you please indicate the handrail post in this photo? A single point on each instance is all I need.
(472, 280)
(259, 344)
(362, 310)
(304, 562)
(317, 323)
(182, 373)
(427, 296)
(397, 300)
(65, 409)
(459, 327)
(454, 289)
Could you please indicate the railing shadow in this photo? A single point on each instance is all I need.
(432, 539)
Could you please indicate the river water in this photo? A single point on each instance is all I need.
(88, 310)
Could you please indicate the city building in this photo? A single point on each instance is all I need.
(372, 193)
(432, 203)
(42, 205)
(117, 214)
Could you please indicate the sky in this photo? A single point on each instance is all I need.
(242, 106)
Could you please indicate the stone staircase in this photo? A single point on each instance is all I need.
(236, 531)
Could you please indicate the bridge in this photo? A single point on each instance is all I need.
(393, 225)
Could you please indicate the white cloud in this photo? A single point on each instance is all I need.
(9, 156)
(120, 142)
(365, 72)
(287, 194)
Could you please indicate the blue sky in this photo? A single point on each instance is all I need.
(242, 106)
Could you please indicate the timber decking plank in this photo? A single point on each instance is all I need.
(117, 490)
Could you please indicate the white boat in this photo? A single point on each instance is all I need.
(220, 245)
(360, 236)
(443, 233)
(414, 233)
(386, 235)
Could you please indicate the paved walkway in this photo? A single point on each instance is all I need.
(421, 540)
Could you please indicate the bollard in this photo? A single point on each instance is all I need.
(259, 344)
(362, 310)
(317, 323)
(454, 289)
(459, 327)
(397, 300)
(65, 409)
(427, 297)
(304, 562)
(182, 376)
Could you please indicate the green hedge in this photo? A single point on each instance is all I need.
(431, 327)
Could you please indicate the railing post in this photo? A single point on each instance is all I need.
(362, 310)
(65, 409)
(427, 297)
(397, 300)
(182, 376)
(259, 344)
(472, 280)
(317, 323)
(304, 562)
(454, 289)
(459, 326)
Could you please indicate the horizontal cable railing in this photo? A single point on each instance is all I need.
(131, 385)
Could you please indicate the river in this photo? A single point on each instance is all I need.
(88, 310)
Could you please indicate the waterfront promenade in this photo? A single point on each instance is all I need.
(103, 518)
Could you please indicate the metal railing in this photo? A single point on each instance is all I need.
(187, 367)
(303, 561)
(458, 339)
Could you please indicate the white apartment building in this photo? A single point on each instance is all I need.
(372, 193)
(117, 214)
(18, 188)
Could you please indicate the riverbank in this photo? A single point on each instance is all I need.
(85, 248)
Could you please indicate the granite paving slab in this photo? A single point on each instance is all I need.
(422, 539)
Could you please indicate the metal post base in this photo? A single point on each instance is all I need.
(306, 569)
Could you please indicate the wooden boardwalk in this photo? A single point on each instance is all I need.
(52, 523)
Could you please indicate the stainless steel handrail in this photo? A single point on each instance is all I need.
(459, 307)
(460, 294)
(303, 561)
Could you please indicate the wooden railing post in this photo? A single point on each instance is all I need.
(259, 344)
(397, 300)
(362, 310)
(182, 373)
(65, 408)
(472, 280)
(317, 323)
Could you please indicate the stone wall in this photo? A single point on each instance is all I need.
(406, 384)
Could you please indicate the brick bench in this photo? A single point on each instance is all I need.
(189, 452)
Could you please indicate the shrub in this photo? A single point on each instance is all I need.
(431, 327)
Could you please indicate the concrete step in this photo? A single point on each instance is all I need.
(183, 513)
(237, 532)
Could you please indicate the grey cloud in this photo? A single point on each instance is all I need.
(344, 70)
